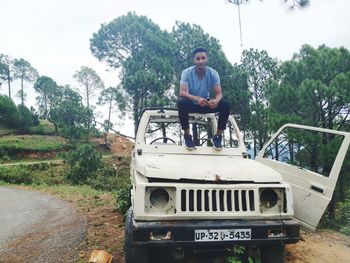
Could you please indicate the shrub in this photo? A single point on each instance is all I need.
(8, 112)
(105, 179)
(26, 118)
(123, 200)
(83, 164)
(345, 230)
(16, 175)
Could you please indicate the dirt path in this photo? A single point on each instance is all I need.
(38, 228)
(323, 246)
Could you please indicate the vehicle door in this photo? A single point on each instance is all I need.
(310, 160)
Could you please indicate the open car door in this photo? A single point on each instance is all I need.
(310, 160)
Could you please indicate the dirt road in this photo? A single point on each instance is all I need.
(38, 228)
(322, 246)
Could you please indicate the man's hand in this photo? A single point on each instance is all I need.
(213, 103)
(202, 102)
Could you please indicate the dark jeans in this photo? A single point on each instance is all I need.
(186, 106)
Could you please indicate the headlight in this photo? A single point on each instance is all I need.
(272, 200)
(160, 200)
(268, 198)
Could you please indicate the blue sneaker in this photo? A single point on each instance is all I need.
(216, 140)
(189, 142)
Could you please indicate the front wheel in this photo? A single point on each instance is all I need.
(272, 253)
(132, 254)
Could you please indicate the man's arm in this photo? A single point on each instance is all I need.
(185, 94)
(213, 103)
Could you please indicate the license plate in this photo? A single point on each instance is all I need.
(201, 235)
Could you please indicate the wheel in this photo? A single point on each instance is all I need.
(162, 138)
(132, 254)
(272, 253)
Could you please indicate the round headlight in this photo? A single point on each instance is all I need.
(159, 198)
(268, 198)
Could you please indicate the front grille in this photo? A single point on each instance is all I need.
(217, 200)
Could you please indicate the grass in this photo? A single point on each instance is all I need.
(33, 143)
(44, 128)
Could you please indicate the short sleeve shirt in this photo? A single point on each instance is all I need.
(200, 87)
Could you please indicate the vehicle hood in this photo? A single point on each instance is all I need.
(204, 167)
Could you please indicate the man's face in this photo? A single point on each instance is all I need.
(200, 60)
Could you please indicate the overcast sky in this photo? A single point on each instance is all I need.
(53, 35)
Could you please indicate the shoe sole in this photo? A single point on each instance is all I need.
(216, 148)
(190, 148)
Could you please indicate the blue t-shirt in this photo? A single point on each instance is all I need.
(200, 87)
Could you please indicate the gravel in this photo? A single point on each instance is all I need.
(36, 227)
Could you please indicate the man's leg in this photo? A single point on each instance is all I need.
(185, 107)
(224, 111)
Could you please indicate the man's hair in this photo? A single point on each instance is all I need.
(198, 50)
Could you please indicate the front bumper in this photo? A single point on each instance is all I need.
(182, 232)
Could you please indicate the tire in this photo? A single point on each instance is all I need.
(272, 253)
(132, 254)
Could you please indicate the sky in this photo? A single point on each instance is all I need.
(53, 35)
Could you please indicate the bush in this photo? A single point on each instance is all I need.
(123, 200)
(345, 230)
(15, 175)
(83, 164)
(8, 112)
(105, 179)
(26, 118)
(44, 127)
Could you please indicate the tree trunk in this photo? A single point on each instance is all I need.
(46, 110)
(109, 114)
(291, 151)
(277, 150)
(341, 188)
(9, 83)
(331, 209)
(87, 98)
(254, 146)
(22, 92)
(136, 113)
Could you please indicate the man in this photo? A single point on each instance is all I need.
(195, 86)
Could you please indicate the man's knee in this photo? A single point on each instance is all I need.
(225, 106)
(183, 103)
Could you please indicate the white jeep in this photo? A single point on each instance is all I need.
(186, 202)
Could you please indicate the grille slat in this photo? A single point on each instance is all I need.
(248, 201)
(217, 200)
(225, 200)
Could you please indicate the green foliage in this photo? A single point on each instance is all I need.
(49, 93)
(123, 200)
(9, 114)
(44, 127)
(32, 143)
(70, 114)
(90, 81)
(105, 179)
(260, 71)
(143, 52)
(15, 175)
(35, 174)
(24, 71)
(83, 163)
(27, 118)
(237, 252)
(6, 70)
